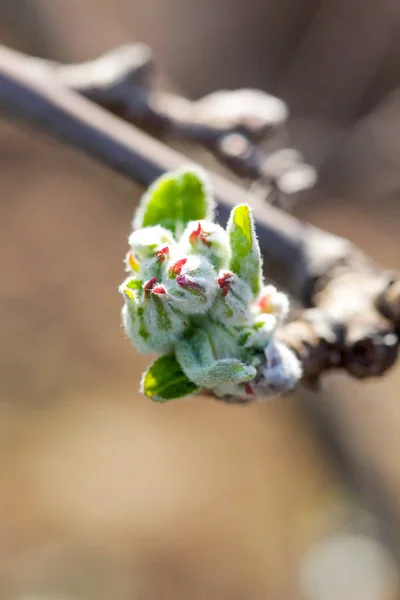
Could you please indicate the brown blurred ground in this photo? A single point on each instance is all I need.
(102, 493)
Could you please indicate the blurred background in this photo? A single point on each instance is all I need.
(106, 495)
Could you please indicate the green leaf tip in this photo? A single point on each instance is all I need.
(175, 199)
(246, 256)
(164, 380)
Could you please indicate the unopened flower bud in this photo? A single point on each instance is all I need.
(233, 299)
(150, 248)
(270, 301)
(145, 243)
(210, 240)
(191, 284)
(152, 324)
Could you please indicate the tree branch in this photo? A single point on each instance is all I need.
(230, 124)
(353, 316)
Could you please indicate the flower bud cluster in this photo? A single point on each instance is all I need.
(200, 296)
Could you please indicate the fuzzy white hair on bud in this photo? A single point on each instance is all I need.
(145, 243)
(232, 300)
(282, 371)
(148, 319)
(196, 356)
(270, 301)
(203, 238)
(152, 326)
(261, 332)
(191, 284)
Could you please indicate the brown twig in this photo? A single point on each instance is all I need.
(230, 124)
(352, 321)
(348, 328)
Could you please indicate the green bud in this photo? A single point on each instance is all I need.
(150, 248)
(207, 239)
(191, 284)
(233, 299)
(147, 242)
(150, 321)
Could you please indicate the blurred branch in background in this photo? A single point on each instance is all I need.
(230, 124)
(353, 319)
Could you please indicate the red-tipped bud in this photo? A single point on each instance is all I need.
(186, 282)
(194, 236)
(163, 253)
(232, 303)
(224, 282)
(148, 287)
(159, 290)
(270, 301)
(176, 268)
(263, 304)
(191, 285)
(198, 235)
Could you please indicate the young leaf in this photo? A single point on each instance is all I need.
(196, 358)
(223, 339)
(175, 199)
(164, 380)
(246, 257)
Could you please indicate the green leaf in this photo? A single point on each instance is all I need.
(130, 287)
(175, 199)
(196, 357)
(134, 284)
(246, 257)
(164, 380)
